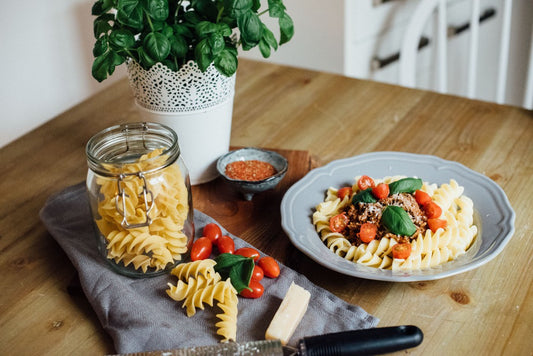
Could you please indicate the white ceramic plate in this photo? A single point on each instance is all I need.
(493, 213)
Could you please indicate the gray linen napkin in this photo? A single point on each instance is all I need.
(139, 315)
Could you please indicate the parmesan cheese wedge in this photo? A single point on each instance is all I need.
(289, 314)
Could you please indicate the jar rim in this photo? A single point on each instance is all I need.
(121, 145)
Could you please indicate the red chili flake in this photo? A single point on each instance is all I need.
(251, 170)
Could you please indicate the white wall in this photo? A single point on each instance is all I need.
(45, 62)
(46, 54)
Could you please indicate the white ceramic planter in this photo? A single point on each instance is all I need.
(198, 106)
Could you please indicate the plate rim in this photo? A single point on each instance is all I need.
(507, 222)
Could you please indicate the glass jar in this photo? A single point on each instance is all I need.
(140, 197)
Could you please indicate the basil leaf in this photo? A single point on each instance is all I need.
(364, 196)
(251, 27)
(286, 27)
(121, 39)
(276, 8)
(398, 221)
(226, 62)
(202, 53)
(405, 185)
(157, 9)
(238, 268)
(157, 46)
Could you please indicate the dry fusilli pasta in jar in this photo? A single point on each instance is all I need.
(140, 198)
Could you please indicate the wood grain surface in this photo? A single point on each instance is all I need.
(305, 114)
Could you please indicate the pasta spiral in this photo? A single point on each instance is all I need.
(198, 284)
(429, 249)
(162, 242)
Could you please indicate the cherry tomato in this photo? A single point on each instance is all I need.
(422, 198)
(432, 210)
(212, 231)
(343, 192)
(381, 191)
(339, 222)
(257, 273)
(225, 244)
(365, 182)
(401, 251)
(201, 249)
(368, 232)
(270, 266)
(248, 252)
(435, 224)
(256, 292)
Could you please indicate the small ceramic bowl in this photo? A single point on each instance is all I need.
(249, 188)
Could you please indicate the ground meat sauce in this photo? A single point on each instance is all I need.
(371, 212)
(251, 170)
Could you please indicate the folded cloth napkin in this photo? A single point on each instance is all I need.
(139, 315)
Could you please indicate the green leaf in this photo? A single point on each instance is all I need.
(286, 27)
(100, 46)
(202, 53)
(216, 42)
(205, 28)
(144, 59)
(269, 38)
(238, 268)
(121, 39)
(264, 48)
(101, 24)
(364, 196)
(242, 5)
(105, 64)
(156, 9)
(130, 13)
(178, 47)
(157, 46)
(405, 185)
(226, 62)
(276, 8)
(251, 28)
(398, 221)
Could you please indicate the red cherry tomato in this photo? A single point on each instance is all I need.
(201, 249)
(401, 251)
(381, 191)
(270, 266)
(368, 232)
(212, 231)
(256, 292)
(365, 182)
(338, 222)
(248, 252)
(422, 198)
(257, 273)
(435, 224)
(225, 244)
(432, 210)
(343, 192)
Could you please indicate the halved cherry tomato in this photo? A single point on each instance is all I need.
(248, 252)
(381, 191)
(422, 198)
(256, 292)
(257, 273)
(225, 244)
(368, 232)
(365, 182)
(338, 222)
(432, 210)
(201, 249)
(343, 192)
(435, 224)
(212, 231)
(401, 251)
(270, 266)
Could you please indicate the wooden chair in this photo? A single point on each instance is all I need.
(409, 49)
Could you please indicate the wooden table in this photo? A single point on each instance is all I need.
(317, 117)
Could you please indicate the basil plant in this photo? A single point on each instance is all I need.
(175, 31)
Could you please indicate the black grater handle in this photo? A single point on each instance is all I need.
(362, 342)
